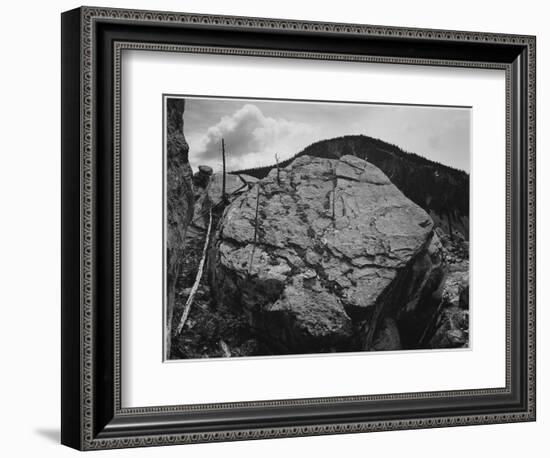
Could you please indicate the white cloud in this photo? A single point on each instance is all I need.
(251, 139)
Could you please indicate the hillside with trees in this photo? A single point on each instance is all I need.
(439, 189)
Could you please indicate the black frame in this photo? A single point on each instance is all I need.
(92, 40)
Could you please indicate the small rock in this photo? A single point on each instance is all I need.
(451, 329)
(206, 170)
(202, 177)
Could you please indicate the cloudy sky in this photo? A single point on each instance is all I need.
(255, 130)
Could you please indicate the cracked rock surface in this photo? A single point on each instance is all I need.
(317, 254)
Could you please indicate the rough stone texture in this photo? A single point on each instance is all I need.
(202, 177)
(234, 185)
(334, 247)
(308, 317)
(179, 201)
(442, 191)
(422, 294)
(206, 170)
(387, 337)
(452, 329)
(455, 288)
(209, 194)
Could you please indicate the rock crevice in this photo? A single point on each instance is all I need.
(179, 203)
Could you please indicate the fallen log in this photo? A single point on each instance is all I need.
(198, 278)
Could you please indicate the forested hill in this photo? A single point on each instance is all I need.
(441, 190)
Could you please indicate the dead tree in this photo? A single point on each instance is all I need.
(225, 349)
(431, 324)
(278, 170)
(198, 278)
(224, 195)
(450, 225)
(255, 229)
(333, 203)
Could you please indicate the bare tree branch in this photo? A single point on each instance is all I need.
(200, 270)
(278, 175)
(255, 229)
(225, 349)
(224, 196)
(431, 323)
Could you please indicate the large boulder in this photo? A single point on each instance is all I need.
(318, 255)
(202, 177)
(234, 185)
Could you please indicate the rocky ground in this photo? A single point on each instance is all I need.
(450, 327)
(211, 330)
(323, 255)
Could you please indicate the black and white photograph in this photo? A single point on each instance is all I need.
(281, 224)
(298, 227)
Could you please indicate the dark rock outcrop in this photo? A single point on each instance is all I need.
(325, 256)
(452, 329)
(423, 296)
(455, 288)
(202, 177)
(387, 336)
(451, 326)
(179, 202)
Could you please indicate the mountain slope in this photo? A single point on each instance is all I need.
(440, 190)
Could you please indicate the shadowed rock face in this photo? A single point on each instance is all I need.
(179, 200)
(317, 256)
(452, 320)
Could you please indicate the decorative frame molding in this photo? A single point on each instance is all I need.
(101, 421)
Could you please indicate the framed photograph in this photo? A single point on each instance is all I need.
(276, 228)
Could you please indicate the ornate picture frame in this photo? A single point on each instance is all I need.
(93, 416)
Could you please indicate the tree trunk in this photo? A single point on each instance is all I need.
(224, 196)
(198, 278)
